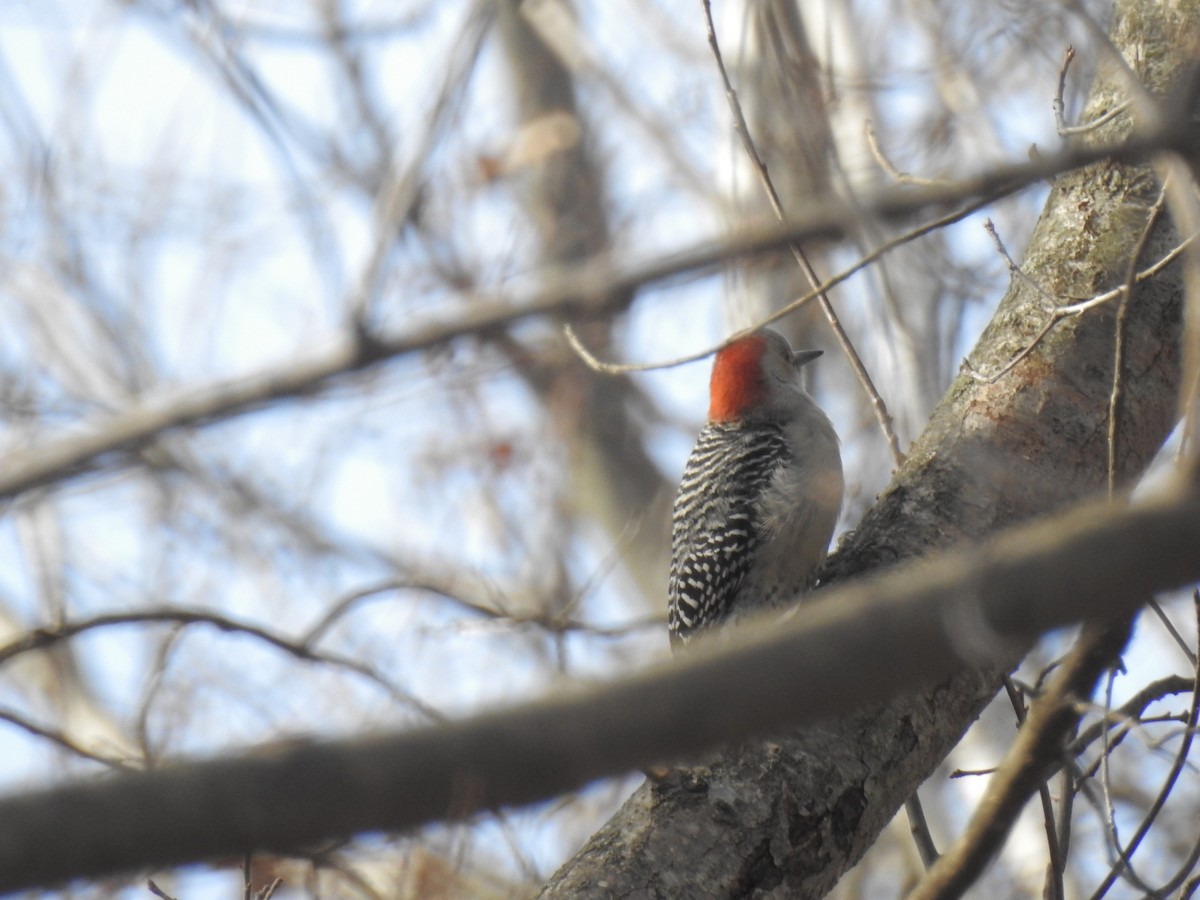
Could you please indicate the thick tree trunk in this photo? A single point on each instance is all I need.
(790, 816)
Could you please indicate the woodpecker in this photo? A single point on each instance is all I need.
(760, 494)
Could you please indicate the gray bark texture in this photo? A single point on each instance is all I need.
(788, 817)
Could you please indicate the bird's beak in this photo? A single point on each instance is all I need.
(804, 357)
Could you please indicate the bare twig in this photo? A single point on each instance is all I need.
(918, 826)
(1057, 862)
(972, 773)
(1099, 121)
(1037, 749)
(1059, 105)
(886, 164)
(1055, 869)
(1131, 278)
(743, 129)
(1185, 211)
(1014, 269)
(1060, 121)
(1131, 710)
(1184, 870)
(1075, 309)
(64, 741)
(550, 623)
(1166, 622)
(41, 638)
(610, 368)
(1164, 792)
(1125, 864)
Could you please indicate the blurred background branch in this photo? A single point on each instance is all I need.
(284, 389)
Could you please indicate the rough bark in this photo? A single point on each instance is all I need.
(787, 818)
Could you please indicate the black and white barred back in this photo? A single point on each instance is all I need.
(714, 530)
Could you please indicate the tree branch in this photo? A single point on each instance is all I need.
(585, 289)
(1036, 753)
(792, 815)
(857, 645)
